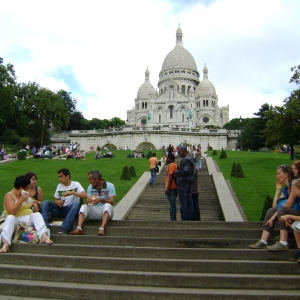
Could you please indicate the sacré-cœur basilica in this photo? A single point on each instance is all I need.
(183, 109)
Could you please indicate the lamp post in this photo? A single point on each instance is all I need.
(241, 120)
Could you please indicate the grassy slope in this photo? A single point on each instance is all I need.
(260, 172)
(46, 170)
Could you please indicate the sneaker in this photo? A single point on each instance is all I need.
(77, 231)
(296, 257)
(63, 231)
(259, 245)
(278, 247)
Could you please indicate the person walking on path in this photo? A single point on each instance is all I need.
(100, 200)
(153, 161)
(184, 182)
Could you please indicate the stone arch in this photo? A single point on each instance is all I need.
(109, 146)
(144, 146)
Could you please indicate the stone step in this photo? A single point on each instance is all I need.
(100, 250)
(210, 233)
(64, 290)
(150, 278)
(158, 265)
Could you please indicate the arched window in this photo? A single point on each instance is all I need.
(165, 89)
(182, 118)
(145, 105)
(204, 103)
(159, 118)
(183, 89)
(171, 108)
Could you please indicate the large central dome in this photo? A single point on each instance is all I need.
(179, 57)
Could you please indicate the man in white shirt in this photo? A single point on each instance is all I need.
(66, 204)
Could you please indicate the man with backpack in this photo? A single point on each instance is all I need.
(185, 175)
(170, 185)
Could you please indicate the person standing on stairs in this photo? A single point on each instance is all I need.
(184, 182)
(171, 190)
(153, 161)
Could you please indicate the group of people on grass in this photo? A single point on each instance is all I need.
(285, 210)
(24, 204)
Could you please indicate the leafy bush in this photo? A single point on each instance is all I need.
(214, 152)
(233, 170)
(239, 171)
(223, 155)
(132, 171)
(149, 154)
(125, 174)
(266, 207)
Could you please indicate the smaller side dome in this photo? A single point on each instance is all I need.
(206, 87)
(146, 88)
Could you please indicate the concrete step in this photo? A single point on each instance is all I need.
(101, 250)
(163, 265)
(175, 232)
(62, 290)
(152, 278)
(158, 241)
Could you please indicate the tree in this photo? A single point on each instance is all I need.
(7, 94)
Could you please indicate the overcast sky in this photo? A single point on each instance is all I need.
(99, 49)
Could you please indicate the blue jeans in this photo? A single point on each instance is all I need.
(199, 164)
(172, 203)
(196, 209)
(153, 176)
(70, 213)
(186, 202)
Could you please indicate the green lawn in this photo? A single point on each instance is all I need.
(46, 170)
(260, 175)
(259, 169)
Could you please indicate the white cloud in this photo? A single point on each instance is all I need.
(249, 47)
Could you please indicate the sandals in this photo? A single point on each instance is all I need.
(101, 231)
(4, 249)
(45, 240)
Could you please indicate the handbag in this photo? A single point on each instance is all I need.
(26, 234)
(156, 168)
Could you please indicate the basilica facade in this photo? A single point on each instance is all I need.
(181, 99)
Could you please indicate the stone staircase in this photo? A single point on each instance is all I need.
(151, 259)
(153, 203)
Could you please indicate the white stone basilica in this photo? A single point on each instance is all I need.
(182, 99)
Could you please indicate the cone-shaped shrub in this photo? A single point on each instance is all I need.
(233, 170)
(149, 155)
(267, 205)
(223, 155)
(239, 171)
(214, 152)
(132, 171)
(125, 174)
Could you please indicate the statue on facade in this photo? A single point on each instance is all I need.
(190, 114)
(149, 116)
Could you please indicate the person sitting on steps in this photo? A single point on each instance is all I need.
(101, 195)
(282, 197)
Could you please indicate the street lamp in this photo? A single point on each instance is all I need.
(241, 120)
